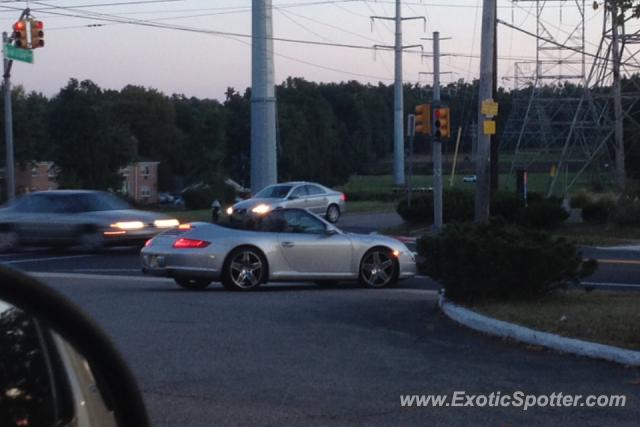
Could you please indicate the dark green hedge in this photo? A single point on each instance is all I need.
(459, 206)
(499, 261)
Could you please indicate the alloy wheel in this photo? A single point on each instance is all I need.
(246, 269)
(378, 269)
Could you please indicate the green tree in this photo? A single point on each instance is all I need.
(90, 145)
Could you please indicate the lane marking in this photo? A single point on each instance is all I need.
(78, 276)
(619, 261)
(19, 261)
(617, 285)
(135, 270)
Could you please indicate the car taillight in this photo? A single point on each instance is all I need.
(147, 243)
(343, 197)
(183, 243)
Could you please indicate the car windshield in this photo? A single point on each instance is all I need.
(274, 192)
(69, 203)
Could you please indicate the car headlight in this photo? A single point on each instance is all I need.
(166, 223)
(261, 209)
(128, 225)
(230, 210)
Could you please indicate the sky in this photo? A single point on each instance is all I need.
(176, 46)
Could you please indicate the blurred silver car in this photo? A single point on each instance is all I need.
(305, 195)
(281, 245)
(87, 219)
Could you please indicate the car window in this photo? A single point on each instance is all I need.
(314, 190)
(274, 222)
(35, 203)
(300, 191)
(302, 222)
(91, 202)
(274, 192)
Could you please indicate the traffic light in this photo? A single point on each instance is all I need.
(37, 34)
(442, 123)
(20, 34)
(423, 119)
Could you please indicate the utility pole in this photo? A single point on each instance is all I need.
(437, 144)
(264, 166)
(617, 98)
(485, 93)
(494, 163)
(9, 171)
(398, 101)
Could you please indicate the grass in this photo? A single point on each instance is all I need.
(352, 207)
(537, 182)
(611, 318)
(599, 234)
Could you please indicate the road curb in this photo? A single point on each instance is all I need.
(488, 325)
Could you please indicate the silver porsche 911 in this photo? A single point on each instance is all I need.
(281, 245)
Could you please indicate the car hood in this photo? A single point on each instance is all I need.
(249, 203)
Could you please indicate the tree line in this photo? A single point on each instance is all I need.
(326, 131)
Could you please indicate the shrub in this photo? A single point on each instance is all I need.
(199, 197)
(598, 212)
(502, 262)
(580, 200)
(627, 211)
(543, 214)
(506, 205)
(458, 206)
(380, 196)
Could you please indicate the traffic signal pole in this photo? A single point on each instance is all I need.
(9, 171)
(437, 143)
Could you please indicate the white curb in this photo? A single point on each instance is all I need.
(499, 328)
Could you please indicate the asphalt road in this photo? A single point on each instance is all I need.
(299, 354)
(619, 268)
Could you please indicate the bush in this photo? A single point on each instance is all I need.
(380, 196)
(542, 214)
(458, 207)
(598, 212)
(580, 200)
(198, 197)
(627, 211)
(501, 262)
(506, 205)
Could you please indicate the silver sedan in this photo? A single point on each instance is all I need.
(304, 195)
(282, 245)
(86, 219)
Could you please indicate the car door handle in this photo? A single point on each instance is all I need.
(287, 244)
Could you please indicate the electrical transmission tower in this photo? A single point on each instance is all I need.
(582, 130)
(540, 120)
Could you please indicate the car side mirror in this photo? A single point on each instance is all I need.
(59, 367)
(331, 231)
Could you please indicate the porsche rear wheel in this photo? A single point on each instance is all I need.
(191, 283)
(378, 268)
(246, 269)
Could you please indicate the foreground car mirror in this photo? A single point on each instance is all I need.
(58, 367)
